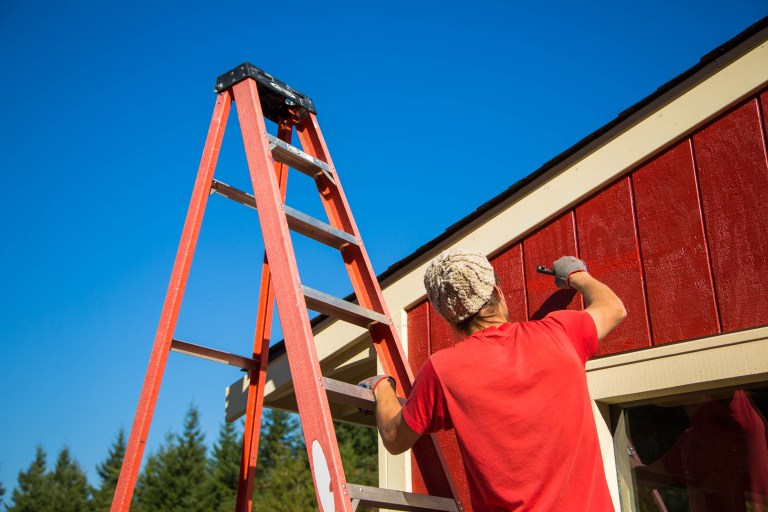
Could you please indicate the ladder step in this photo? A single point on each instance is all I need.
(298, 159)
(341, 309)
(235, 194)
(318, 230)
(297, 221)
(364, 496)
(212, 354)
(350, 394)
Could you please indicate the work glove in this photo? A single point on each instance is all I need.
(565, 267)
(371, 383)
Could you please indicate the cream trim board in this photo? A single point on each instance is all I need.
(729, 359)
(401, 467)
(621, 478)
(603, 423)
(674, 349)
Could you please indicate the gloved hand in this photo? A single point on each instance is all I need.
(371, 383)
(566, 266)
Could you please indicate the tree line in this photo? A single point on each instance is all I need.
(182, 476)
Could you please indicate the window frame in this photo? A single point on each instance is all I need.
(726, 360)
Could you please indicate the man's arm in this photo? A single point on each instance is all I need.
(603, 305)
(396, 435)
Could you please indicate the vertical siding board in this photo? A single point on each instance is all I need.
(608, 244)
(441, 335)
(543, 248)
(452, 454)
(681, 297)
(418, 336)
(417, 481)
(511, 275)
(731, 162)
(418, 352)
(764, 105)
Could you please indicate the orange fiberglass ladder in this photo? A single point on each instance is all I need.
(258, 95)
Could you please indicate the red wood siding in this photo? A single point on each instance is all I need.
(418, 336)
(733, 175)
(683, 240)
(542, 248)
(440, 333)
(764, 105)
(681, 297)
(429, 331)
(607, 238)
(509, 270)
(418, 352)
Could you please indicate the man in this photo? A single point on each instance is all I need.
(515, 393)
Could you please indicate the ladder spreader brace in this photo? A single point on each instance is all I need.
(258, 95)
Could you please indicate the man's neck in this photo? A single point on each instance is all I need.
(495, 320)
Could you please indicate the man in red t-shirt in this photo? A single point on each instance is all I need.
(515, 393)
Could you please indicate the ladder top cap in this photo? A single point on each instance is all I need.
(278, 99)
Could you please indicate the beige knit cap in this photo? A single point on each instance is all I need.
(459, 283)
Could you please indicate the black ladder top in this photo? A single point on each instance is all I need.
(278, 99)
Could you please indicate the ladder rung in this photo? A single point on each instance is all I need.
(233, 193)
(399, 500)
(219, 356)
(341, 309)
(317, 230)
(350, 394)
(298, 159)
(297, 221)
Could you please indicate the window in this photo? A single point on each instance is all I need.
(698, 452)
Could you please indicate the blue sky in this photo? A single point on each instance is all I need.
(106, 108)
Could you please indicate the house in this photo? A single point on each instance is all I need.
(667, 205)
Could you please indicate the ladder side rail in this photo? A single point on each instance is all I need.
(385, 339)
(367, 290)
(258, 376)
(164, 337)
(335, 203)
(314, 409)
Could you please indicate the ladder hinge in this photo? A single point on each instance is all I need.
(278, 99)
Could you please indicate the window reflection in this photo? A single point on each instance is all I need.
(700, 453)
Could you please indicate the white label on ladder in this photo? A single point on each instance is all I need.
(322, 478)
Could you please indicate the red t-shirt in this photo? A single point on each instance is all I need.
(517, 398)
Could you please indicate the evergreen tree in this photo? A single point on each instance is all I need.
(148, 495)
(70, 491)
(224, 470)
(2, 493)
(358, 446)
(109, 472)
(283, 478)
(174, 479)
(280, 438)
(32, 492)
